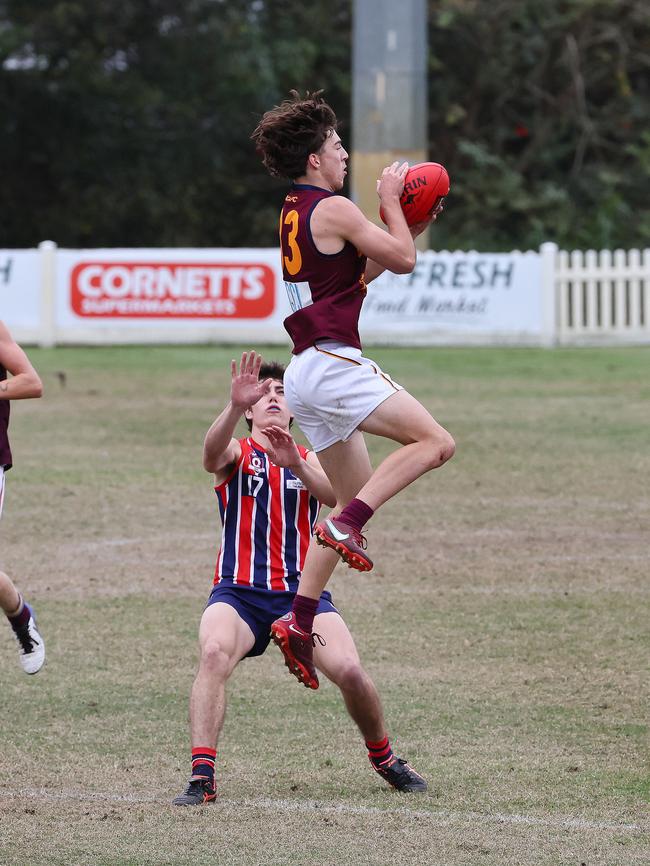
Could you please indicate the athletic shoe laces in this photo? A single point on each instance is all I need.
(25, 639)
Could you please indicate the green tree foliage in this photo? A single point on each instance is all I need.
(541, 111)
(128, 124)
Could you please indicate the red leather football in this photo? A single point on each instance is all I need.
(425, 186)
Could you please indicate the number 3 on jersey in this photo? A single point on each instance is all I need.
(293, 261)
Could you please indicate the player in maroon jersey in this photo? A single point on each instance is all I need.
(268, 492)
(23, 384)
(330, 252)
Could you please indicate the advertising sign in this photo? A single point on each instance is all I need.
(192, 293)
(20, 291)
(205, 295)
(468, 293)
(173, 290)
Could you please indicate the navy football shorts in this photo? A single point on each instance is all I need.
(260, 607)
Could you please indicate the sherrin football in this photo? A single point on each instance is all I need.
(425, 186)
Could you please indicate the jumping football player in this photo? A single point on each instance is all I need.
(330, 252)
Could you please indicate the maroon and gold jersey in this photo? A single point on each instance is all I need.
(326, 292)
(5, 450)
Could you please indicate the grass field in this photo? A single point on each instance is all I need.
(505, 624)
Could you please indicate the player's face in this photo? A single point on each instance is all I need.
(333, 161)
(271, 408)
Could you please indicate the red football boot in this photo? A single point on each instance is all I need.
(346, 541)
(297, 647)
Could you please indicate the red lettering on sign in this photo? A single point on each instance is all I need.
(137, 290)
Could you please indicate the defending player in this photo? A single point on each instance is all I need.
(330, 252)
(268, 490)
(24, 383)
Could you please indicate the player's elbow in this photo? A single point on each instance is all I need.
(209, 463)
(35, 387)
(405, 264)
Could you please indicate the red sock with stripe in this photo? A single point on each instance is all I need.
(380, 753)
(203, 761)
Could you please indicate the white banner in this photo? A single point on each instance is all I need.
(53, 295)
(20, 291)
(180, 294)
(482, 294)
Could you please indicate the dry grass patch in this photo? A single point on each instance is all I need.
(505, 625)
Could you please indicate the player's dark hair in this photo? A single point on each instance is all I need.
(269, 370)
(289, 132)
(272, 370)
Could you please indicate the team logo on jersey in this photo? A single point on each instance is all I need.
(256, 464)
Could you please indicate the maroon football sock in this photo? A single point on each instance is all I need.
(304, 609)
(356, 514)
(20, 619)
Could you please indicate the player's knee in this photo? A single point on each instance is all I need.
(214, 658)
(352, 677)
(447, 448)
(441, 448)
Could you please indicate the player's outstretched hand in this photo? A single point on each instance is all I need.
(245, 387)
(283, 451)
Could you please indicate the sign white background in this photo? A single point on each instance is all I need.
(20, 289)
(67, 320)
(468, 293)
(451, 297)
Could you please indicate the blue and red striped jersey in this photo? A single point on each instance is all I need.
(268, 516)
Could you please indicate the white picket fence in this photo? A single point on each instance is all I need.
(602, 296)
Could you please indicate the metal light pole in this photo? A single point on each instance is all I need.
(389, 92)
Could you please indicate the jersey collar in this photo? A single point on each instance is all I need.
(256, 444)
(311, 186)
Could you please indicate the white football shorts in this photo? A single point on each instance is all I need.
(331, 388)
(2, 488)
